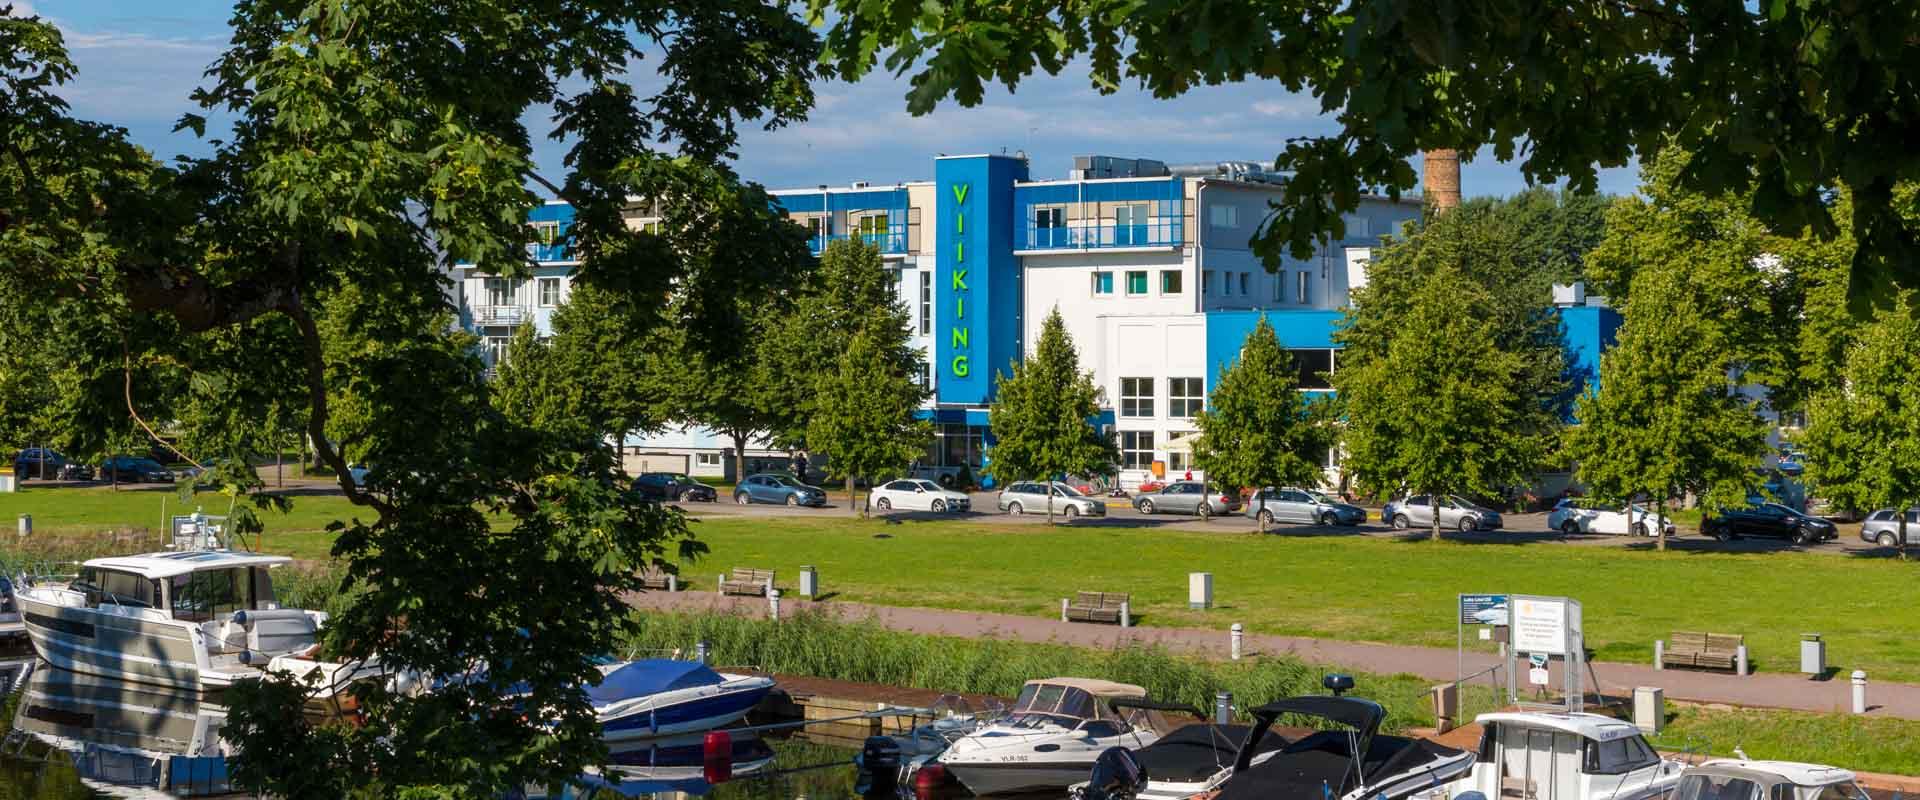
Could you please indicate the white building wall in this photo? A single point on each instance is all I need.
(1157, 348)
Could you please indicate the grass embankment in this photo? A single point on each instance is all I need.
(811, 644)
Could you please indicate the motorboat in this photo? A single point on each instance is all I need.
(10, 625)
(129, 734)
(662, 697)
(1192, 759)
(192, 619)
(1536, 755)
(1744, 778)
(950, 719)
(1345, 756)
(1050, 738)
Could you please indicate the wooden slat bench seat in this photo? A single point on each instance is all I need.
(654, 577)
(746, 580)
(1107, 607)
(1719, 651)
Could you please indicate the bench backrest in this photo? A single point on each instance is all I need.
(749, 575)
(1687, 642)
(1100, 599)
(1724, 644)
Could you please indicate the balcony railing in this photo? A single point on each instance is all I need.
(1093, 237)
(503, 316)
(890, 243)
(548, 252)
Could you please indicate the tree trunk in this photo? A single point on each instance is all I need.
(739, 455)
(1660, 523)
(1433, 501)
(1902, 544)
(1260, 514)
(1049, 504)
(853, 500)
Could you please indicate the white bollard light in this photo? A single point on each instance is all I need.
(1659, 654)
(1740, 661)
(1859, 691)
(1235, 635)
(1126, 615)
(773, 604)
(26, 525)
(1063, 609)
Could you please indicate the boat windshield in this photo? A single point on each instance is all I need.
(1844, 790)
(1054, 700)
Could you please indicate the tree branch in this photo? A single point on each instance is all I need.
(199, 305)
(317, 415)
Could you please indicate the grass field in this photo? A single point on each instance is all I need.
(1336, 587)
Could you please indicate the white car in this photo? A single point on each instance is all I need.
(917, 494)
(1572, 516)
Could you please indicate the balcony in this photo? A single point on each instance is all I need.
(548, 252)
(499, 316)
(891, 243)
(1159, 233)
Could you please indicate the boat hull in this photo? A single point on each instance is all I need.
(111, 645)
(983, 778)
(668, 718)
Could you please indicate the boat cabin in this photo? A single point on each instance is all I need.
(1077, 703)
(189, 586)
(1566, 756)
(1766, 780)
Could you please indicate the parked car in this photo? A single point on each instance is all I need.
(1187, 497)
(778, 488)
(1293, 504)
(1035, 497)
(1769, 520)
(35, 462)
(917, 494)
(1456, 512)
(1883, 528)
(358, 474)
(1572, 515)
(673, 486)
(134, 469)
(1790, 464)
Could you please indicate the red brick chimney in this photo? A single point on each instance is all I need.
(1442, 179)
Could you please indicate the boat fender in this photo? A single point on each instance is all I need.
(717, 752)
(246, 657)
(240, 617)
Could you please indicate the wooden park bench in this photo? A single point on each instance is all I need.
(1703, 650)
(654, 577)
(746, 580)
(1108, 607)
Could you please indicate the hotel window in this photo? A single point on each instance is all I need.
(819, 226)
(549, 291)
(1136, 397)
(1049, 217)
(926, 302)
(1303, 281)
(1136, 449)
(1185, 397)
(1245, 281)
(706, 459)
(1357, 227)
(1314, 366)
(1179, 462)
(546, 232)
(1279, 289)
(873, 224)
(1137, 282)
(1170, 281)
(1130, 225)
(497, 350)
(653, 227)
(499, 293)
(1206, 282)
(1223, 216)
(926, 374)
(1103, 283)
(1130, 215)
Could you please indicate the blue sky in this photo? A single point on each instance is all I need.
(139, 60)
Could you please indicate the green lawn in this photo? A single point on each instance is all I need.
(1353, 588)
(78, 513)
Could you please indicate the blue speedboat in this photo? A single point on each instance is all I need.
(663, 697)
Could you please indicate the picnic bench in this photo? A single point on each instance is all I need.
(1703, 650)
(1108, 607)
(654, 577)
(746, 580)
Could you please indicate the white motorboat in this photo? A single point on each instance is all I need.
(1050, 739)
(1193, 759)
(1744, 778)
(193, 619)
(663, 697)
(1348, 759)
(10, 625)
(1531, 755)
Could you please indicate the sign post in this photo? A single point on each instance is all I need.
(1542, 628)
(1475, 609)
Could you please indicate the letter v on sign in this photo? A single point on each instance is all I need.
(960, 193)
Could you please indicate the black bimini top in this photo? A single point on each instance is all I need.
(1195, 752)
(1360, 714)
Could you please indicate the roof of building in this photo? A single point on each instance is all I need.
(1591, 726)
(1790, 771)
(167, 565)
(1095, 687)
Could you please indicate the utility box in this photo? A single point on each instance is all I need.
(809, 582)
(6, 480)
(1199, 590)
(1446, 707)
(1813, 654)
(1649, 709)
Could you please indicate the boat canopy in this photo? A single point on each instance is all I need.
(1077, 698)
(1094, 686)
(651, 676)
(160, 566)
(1589, 726)
(1360, 714)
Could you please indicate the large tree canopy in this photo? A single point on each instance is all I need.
(1787, 98)
(298, 273)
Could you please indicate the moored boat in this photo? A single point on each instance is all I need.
(663, 697)
(1532, 755)
(1346, 757)
(1050, 739)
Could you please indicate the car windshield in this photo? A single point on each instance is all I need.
(1067, 490)
(1459, 502)
(1784, 510)
(786, 481)
(1315, 496)
(927, 485)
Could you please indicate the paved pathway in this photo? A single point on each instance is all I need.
(1769, 690)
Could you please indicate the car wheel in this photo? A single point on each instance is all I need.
(1266, 517)
(1886, 540)
(1401, 523)
(1071, 511)
(1640, 529)
(742, 498)
(1204, 510)
(1467, 524)
(1146, 506)
(939, 505)
(1570, 528)
(793, 500)
(1014, 509)
(1802, 538)
(884, 504)
(1329, 520)
(683, 496)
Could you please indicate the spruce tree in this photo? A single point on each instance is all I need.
(1043, 412)
(1863, 435)
(864, 419)
(1256, 430)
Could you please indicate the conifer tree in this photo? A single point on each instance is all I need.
(1042, 415)
(1257, 430)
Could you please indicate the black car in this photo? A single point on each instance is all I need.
(1771, 521)
(673, 486)
(134, 469)
(38, 462)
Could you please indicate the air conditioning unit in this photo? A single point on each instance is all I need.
(859, 184)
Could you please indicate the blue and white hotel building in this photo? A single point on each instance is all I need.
(1149, 265)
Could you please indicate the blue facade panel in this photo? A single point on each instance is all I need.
(552, 212)
(976, 276)
(892, 238)
(1589, 331)
(1228, 330)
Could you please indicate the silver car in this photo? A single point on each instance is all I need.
(1293, 504)
(1034, 497)
(1883, 528)
(1187, 497)
(1456, 512)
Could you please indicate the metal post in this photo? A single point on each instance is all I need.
(1859, 691)
(773, 604)
(1659, 653)
(702, 651)
(1234, 636)
(1740, 661)
(1223, 708)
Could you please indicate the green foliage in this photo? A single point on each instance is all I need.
(1665, 419)
(1863, 435)
(1436, 403)
(865, 421)
(1779, 101)
(530, 389)
(1042, 415)
(1256, 430)
(851, 284)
